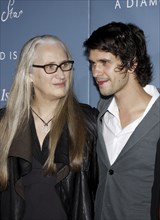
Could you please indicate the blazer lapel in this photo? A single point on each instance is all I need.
(145, 126)
(102, 151)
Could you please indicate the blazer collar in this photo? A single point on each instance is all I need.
(103, 106)
(146, 125)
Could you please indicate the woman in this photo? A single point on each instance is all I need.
(47, 140)
(155, 204)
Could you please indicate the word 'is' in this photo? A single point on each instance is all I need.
(11, 55)
(4, 95)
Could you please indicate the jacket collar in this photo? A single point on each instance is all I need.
(21, 145)
(151, 120)
(22, 148)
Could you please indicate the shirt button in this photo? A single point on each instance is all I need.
(111, 172)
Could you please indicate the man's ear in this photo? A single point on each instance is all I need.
(133, 66)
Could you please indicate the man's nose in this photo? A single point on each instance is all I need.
(96, 70)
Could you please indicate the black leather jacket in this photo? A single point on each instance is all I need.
(75, 189)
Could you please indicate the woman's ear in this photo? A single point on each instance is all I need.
(31, 77)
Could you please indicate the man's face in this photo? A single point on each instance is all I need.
(109, 78)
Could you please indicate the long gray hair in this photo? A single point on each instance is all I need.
(18, 109)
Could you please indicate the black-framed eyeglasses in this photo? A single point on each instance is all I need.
(52, 67)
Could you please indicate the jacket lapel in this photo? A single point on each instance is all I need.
(21, 153)
(145, 126)
(102, 151)
(21, 146)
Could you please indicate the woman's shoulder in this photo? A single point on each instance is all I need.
(90, 116)
(2, 112)
(89, 110)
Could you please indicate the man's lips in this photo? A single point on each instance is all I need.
(101, 82)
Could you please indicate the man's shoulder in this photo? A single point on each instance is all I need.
(104, 102)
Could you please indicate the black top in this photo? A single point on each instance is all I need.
(75, 189)
(41, 199)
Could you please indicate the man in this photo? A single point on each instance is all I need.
(128, 122)
(155, 202)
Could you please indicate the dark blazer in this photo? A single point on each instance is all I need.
(75, 189)
(155, 204)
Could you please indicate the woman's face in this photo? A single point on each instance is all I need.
(50, 86)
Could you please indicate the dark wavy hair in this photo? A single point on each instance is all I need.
(126, 41)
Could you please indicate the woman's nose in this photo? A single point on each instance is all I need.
(59, 74)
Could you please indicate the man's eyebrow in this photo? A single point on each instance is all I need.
(91, 61)
(100, 60)
(104, 59)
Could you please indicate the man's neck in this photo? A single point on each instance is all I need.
(132, 104)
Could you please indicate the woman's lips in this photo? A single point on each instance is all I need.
(61, 84)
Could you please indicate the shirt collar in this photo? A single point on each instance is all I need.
(113, 108)
(150, 89)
